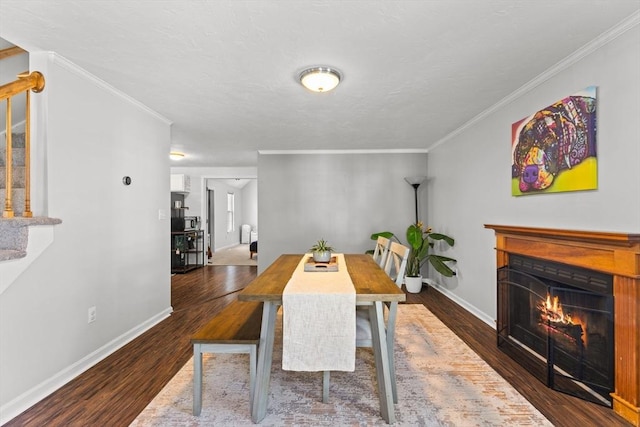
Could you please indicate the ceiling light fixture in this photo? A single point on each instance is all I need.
(320, 79)
(176, 155)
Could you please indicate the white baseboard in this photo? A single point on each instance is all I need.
(464, 304)
(29, 398)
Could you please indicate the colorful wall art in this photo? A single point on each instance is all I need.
(554, 149)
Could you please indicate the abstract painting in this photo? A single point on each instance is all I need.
(554, 149)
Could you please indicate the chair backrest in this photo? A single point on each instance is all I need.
(396, 262)
(380, 252)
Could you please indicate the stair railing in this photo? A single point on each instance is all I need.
(26, 83)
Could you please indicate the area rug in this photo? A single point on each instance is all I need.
(441, 382)
(235, 255)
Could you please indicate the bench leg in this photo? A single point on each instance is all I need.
(197, 379)
(326, 378)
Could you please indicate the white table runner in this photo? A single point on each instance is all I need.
(319, 329)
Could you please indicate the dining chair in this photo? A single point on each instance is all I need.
(396, 262)
(395, 266)
(381, 250)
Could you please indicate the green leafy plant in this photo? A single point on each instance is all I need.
(321, 246)
(421, 242)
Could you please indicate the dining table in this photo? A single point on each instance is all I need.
(373, 287)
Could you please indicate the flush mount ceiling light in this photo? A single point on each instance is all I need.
(320, 79)
(176, 155)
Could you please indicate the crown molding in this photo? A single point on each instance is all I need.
(613, 33)
(368, 151)
(81, 72)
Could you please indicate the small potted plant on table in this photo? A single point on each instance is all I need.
(321, 251)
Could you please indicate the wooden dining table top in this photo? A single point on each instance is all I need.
(371, 283)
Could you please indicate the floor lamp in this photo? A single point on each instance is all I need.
(415, 182)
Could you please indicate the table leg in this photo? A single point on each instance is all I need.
(197, 379)
(265, 358)
(326, 378)
(383, 370)
(391, 338)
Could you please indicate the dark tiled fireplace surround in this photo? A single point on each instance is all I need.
(614, 254)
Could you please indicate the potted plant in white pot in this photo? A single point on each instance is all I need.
(421, 241)
(321, 251)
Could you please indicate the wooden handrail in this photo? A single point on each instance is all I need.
(11, 51)
(27, 83)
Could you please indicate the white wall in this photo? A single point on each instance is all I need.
(470, 174)
(250, 203)
(343, 198)
(111, 249)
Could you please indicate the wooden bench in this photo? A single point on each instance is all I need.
(236, 329)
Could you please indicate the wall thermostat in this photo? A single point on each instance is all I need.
(126, 180)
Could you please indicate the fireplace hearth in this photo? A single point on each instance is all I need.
(599, 280)
(557, 321)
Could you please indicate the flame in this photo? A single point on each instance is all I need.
(552, 312)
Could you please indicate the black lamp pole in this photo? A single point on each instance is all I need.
(415, 182)
(415, 190)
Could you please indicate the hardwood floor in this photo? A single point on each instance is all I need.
(116, 390)
(561, 409)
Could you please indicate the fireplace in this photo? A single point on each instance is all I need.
(576, 321)
(557, 321)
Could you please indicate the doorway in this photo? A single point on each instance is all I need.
(225, 237)
(210, 221)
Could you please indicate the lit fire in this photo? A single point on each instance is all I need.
(551, 312)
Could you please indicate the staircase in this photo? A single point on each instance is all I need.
(14, 232)
(18, 181)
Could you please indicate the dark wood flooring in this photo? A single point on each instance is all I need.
(117, 389)
(559, 408)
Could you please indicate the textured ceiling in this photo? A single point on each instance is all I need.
(224, 72)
